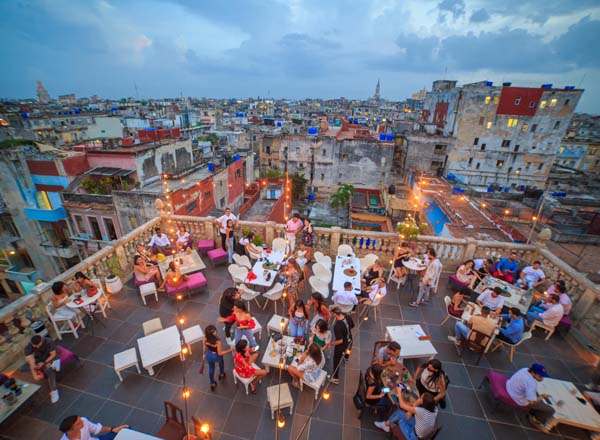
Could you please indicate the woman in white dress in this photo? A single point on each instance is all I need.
(184, 240)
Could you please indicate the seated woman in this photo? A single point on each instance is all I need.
(145, 273)
(375, 394)
(403, 253)
(184, 239)
(243, 359)
(458, 304)
(298, 319)
(174, 278)
(372, 272)
(82, 283)
(244, 324)
(466, 275)
(251, 250)
(60, 298)
(321, 310)
(309, 366)
(430, 377)
(321, 335)
(376, 291)
(416, 421)
(147, 255)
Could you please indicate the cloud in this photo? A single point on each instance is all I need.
(579, 46)
(479, 16)
(455, 7)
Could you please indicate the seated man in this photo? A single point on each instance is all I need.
(40, 355)
(513, 332)
(483, 266)
(388, 355)
(532, 276)
(563, 298)
(522, 389)
(506, 269)
(160, 243)
(345, 297)
(80, 428)
(551, 316)
(376, 291)
(492, 299)
(481, 323)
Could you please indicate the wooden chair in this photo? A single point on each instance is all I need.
(447, 302)
(152, 326)
(546, 327)
(174, 426)
(475, 341)
(526, 336)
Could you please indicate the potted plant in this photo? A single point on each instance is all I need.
(113, 281)
(409, 230)
(258, 240)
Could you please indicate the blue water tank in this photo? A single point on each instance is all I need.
(451, 177)
(389, 137)
(489, 83)
(330, 122)
(24, 115)
(236, 157)
(311, 197)
(278, 123)
(211, 167)
(559, 194)
(378, 119)
(382, 136)
(546, 86)
(522, 188)
(355, 121)
(312, 130)
(490, 189)
(506, 190)
(77, 111)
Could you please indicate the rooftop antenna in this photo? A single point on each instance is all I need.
(137, 95)
(582, 79)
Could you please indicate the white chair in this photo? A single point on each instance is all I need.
(245, 381)
(279, 245)
(125, 359)
(69, 325)
(374, 304)
(316, 385)
(274, 324)
(242, 260)
(392, 277)
(152, 326)
(318, 285)
(325, 260)
(273, 294)
(254, 255)
(546, 327)
(238, 274)
(322, 272)
(371, 258)
(191, 335)
(367, 261)
(345, 250)
(448, 301)
(345, 308)
(249, 294)
(103, 302)
(257, 328)
(147, 290)
(526, 336)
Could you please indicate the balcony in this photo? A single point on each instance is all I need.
(61, 250)
(26, 274)
(46, 215)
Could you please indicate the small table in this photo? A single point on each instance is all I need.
(86, 301)
(27, 390)
(339, 277)
(261, 277)
(159, 347)
(272, 352)
(191, 263)
(279, 393)
(571, 411)
(414, 266)
(130, 434)
(517, 297)
(276, 257)
(274, 323)
(408, 338)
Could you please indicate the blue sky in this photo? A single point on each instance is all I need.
(295, 48)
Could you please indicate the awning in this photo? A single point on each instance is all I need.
(109, 171)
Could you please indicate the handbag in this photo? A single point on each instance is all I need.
(201, 370)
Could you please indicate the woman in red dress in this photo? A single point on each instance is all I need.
(243, 359)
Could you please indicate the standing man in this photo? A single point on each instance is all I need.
(292, 228)
(40, 354)
(342, 340)
(430, 280)
(80, 428)
(160, 243)
(221, 222)
(506, 269)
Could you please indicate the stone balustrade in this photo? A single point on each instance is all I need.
(16, 317)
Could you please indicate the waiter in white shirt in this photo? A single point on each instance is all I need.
(221, 222)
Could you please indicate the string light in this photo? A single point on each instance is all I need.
(186, 393)
(506, 211)
(348, 351)
(534, 218)
(282, 323)
(483, 205)
(181, 321)
(184, 350)
(204, 428)
(280, 421)
(180, 297)
(326, 395)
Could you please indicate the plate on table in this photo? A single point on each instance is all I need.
(350, 272)
(271, 266)
(506, 294)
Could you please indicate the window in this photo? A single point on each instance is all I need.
(512, 122)
(500, 164)
(527, 166)
(506, 143)
(322, 176)
(524, 128)
(541, 167)
(440, 149)
(110, 229)
(553, 102)
(489, 125)
(533, 147)
(80, 224)
(267, 150)
(531, 104)
(518, 171)
(477, 166)
(132, 222)
(324, 153)
(533, 128)
(487, 100)
(481, 120)
(207, 195)
(191, 207)
(518, 100)
(476, 141)
(592, 151)
(509, 170)
(556, 125)
(96, 233)
(470, 161)
(496, 100)
(567, 101)
(344, 157)
(543, 103)
(482, 147)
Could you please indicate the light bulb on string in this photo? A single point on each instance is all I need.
(280, 421)
(205, 428)
(185, 393)
(326, 394)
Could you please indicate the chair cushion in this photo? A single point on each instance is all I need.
(173, 291)
(217, 255)
(498, 388)
(205, 245)
(66, 356)
(456, 282)
(565, 321)
(196, 280)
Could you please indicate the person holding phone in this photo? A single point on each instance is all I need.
(243, 360)
(377, 392)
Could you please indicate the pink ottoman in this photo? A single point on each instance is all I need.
(205, 245)
(196, 281)
(217, 256)
(173, 291)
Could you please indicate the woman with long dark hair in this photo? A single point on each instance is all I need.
(244, 324)
(430, 378)
(213, 354)
(309, 366)
(375, 394)
(243, 360)
(298, 318)
(416, 421)
(317, 302)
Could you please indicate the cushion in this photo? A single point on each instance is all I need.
(566, 321)
(456, 282)
(205, 245)
(498, 388)
(217, 255)
(196, 280)
(66, 356)
(173, 291)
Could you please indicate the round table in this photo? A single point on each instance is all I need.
(414, 264)
(86, 300)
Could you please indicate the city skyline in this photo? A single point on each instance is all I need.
(298, 50)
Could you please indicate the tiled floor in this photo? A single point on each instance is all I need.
(94, 390)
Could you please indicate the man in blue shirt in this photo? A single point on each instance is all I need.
(513, 332)
(507, 268)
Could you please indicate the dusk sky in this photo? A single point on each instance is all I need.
(295, 48)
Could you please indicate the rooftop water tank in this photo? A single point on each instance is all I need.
(389, 137)
(312, 130)
(211, 167)
(382, 136)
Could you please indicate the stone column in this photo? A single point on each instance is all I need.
(270, 232)
(335, 240)
(470, 249)
(209, 228)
